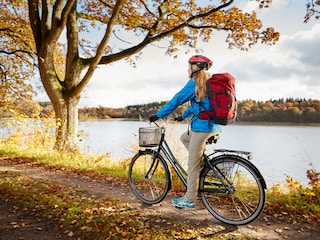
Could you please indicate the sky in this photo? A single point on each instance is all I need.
(289, 69)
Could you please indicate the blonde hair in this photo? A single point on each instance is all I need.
(201, 79)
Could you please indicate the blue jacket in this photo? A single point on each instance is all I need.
(187, 93)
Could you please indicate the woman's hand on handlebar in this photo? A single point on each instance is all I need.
(153, 118)
(178, 119)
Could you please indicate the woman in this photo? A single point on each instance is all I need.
(194, 140)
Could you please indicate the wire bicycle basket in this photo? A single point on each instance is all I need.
(149, 136)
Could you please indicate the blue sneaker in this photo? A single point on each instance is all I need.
(183, 203)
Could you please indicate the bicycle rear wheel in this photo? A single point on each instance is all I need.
(232, 191)
(149, 177)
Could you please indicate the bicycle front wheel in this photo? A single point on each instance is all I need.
(149, 177)
(232, 190)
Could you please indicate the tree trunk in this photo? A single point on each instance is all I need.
(66, 114)
(64, 101)
(67, 123)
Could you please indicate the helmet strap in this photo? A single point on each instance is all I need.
(195, 70)
(195, 73)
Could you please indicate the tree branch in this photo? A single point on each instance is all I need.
(146, 7)
(213, 10)
(35, 22)
(312, 10)
(153, 38)
(60, 16)
(73, 47)
(45, 22)
(101, 48)
(16, 51)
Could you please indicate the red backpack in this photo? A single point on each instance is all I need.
(222, 94)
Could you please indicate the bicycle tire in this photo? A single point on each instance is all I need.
(234, 192)
(149, 177)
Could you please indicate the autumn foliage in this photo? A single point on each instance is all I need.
(16, 58)
(56, 38)
(278, 110)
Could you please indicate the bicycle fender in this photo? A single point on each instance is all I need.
(255, 169)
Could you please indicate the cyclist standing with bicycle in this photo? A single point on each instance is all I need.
(201, 129)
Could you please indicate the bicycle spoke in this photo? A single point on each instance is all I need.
(245, 211)
(155, 191)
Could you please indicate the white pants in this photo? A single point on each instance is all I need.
(195, 143)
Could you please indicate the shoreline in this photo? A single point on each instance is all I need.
(236, 123)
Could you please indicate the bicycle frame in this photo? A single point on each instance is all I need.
(165, 149)
(181, 172)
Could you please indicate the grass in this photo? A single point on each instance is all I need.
(296, 202)
(38, 144)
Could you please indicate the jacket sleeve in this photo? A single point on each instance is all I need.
(184, 95)
(187, 113)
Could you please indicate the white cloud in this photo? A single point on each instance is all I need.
(156, 78)
(250, 6)
(289, 69)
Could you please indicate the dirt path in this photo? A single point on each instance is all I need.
(267, 227)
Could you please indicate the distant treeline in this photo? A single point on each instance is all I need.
(291, 110)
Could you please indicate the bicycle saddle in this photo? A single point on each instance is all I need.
(213, 139)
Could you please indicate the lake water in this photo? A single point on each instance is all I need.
(277, 150)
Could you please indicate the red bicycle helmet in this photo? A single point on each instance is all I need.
(201, 61)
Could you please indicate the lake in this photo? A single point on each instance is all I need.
(277, 150)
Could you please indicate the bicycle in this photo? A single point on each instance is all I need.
(231, 188)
